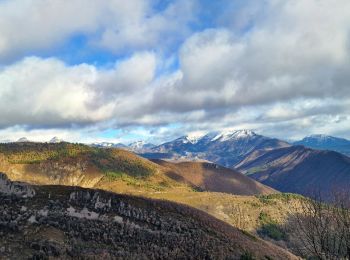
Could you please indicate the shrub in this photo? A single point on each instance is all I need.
(271, 228)
(273, 231)
(247, 256)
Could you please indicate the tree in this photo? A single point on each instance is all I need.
(321, 229)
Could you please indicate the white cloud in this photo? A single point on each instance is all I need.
(118, 25)
(47, 93)
(295, 50)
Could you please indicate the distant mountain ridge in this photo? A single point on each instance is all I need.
(23, 140)
(136, 147)
(326, 142)
(299, 170)
(140, 146)
(56, 140)
(108, 145)
(225, 148)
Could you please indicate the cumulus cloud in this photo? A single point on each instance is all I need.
(47, 93)
(294, 53)
(27, 26)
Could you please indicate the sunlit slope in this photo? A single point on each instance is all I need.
(81, 165)
(205, 176)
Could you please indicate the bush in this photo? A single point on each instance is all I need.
(273, 231)
(271, 228)
(247, 256)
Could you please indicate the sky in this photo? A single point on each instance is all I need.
(121, 71)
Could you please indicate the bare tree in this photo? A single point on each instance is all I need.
(321, 229)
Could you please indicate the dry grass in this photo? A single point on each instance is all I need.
(239, 211)
(205, 176)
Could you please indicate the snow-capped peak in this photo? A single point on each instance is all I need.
(319, 136)
(194, 138)
(56, 140)
(23, 140)
(234, 134)
(140, 145)
(108, 144)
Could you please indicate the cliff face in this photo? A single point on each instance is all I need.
(75, 171)
(71, 222)
(18, 189)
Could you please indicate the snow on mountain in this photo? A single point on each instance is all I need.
(137, 147)
(326, 142)
(193, 138)
(225, 148)
(23, 140)
(237, 134)
(108, 145)
(222, 136)
(55, 140)
(140, 146)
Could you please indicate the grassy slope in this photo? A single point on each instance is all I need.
(240, 211)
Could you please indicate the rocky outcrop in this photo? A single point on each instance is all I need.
(18, 189)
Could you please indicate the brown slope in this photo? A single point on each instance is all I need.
(212, 177)
(76, 223)
(299, 170)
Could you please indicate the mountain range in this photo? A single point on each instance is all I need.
(326, 142)
(224, 148)
(137, 147)
(287, 167)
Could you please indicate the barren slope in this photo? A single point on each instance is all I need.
(212, 177)
(299, 170)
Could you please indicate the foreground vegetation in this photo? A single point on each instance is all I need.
(57, 222)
